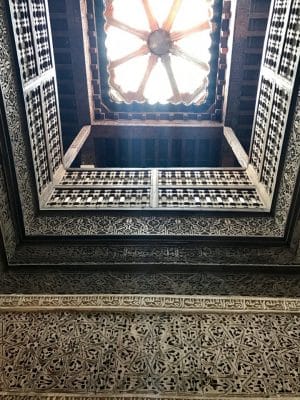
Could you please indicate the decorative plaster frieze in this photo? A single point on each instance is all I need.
(64, 396)
(159, 303)
(153, 347)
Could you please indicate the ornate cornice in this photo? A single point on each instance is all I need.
(151, 254)
(64, 396)
(214, 282)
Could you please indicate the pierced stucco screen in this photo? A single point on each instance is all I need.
(158, 50)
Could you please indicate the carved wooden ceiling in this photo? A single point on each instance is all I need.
(247, 43)
(54, 214)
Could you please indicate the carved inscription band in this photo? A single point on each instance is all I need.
(166, 303)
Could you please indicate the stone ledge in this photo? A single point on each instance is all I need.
(152, 303)
(64, 396)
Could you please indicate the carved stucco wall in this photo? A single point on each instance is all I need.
(173, 342)
(216, 282)
(219, 348)
(6, 223)
(149, 345)
(158, 346)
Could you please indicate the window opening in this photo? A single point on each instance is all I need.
(158, 57)
(158, 51)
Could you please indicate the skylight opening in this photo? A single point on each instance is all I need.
(158, 51)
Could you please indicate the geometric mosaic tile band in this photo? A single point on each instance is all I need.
(157, 355)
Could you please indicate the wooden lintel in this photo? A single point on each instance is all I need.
(76, 145)
(236, 147)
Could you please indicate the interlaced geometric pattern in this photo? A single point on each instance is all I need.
(275, 137)
(158, 188)
(272, 56)
(112, 198)
(170, 177)
(210, 198)
(52, 123)
(24, 40)
(32, 37)
(211, 355)
(37, 137)
(292, 44)
(163, 189)
(107, 178)
(40, 29)
(202, 178)
(261, 122)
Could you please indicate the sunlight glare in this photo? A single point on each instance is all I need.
(158, 89)
(119, 43)
(192, 13)
(133, 15)
(160, 9)
(187, 75)
(190, 45)
(130, 74)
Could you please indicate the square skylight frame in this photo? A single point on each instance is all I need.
(105, 108)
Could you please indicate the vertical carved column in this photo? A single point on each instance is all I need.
(277, 80)
(32, 34)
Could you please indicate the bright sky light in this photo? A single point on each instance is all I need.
(158, 50)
